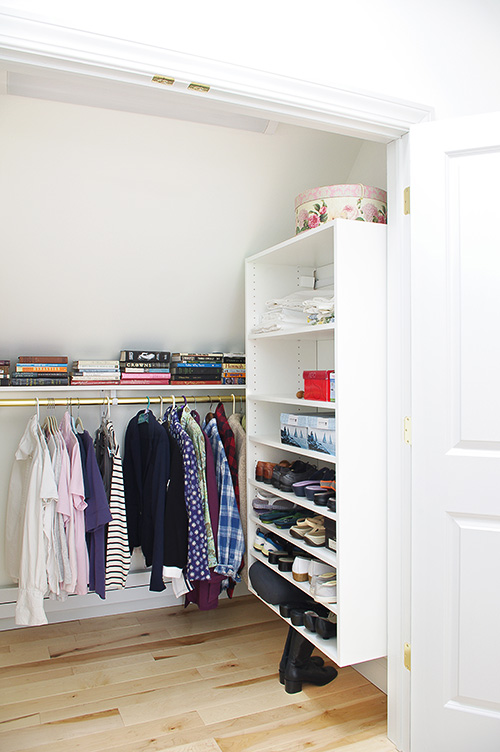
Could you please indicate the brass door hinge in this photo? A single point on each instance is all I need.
(407, 430)
(406, 200)
(407, 656)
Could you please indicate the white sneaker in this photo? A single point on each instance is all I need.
(317, 567)
(318, 580)
(326, 592)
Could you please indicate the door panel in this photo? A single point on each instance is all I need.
(455, 248)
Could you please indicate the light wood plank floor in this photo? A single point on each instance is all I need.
(177, 680)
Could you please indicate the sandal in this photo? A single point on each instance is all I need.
(306, 525)
(317, 536)
(287, 522)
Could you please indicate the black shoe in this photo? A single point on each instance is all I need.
(298, 471)
(325, 629)
(299, 667)
(310, 618)
(315, 659)
(305, 605)
(278, 470)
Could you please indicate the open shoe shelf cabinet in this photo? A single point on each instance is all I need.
(351, 257)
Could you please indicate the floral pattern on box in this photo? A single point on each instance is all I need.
(356, 202)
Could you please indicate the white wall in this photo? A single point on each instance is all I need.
(443, 53)
(125, 230)
(122, 230)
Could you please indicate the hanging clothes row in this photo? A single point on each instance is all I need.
(58, 513)
(181, 495)
(75, 514)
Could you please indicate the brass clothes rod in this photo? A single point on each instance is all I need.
(112, 401)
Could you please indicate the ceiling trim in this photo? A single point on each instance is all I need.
(27, 43)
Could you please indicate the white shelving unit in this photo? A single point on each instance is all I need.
(353, 255)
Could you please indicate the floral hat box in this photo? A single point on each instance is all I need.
(316, 206)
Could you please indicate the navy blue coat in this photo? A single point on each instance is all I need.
(146, 470)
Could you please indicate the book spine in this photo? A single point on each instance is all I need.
(144, 376)
(144, 356)
(160, 366)
(41, 369)
(233, 380)
(92, 382)
(34, 381)
(84, 369)
(201, 382)
(142, 382)
(96, 364)
(197, 356)
(183, 370)
(192, 364)
(94, 376)
(42, 359)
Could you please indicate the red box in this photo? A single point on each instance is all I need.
(319, 385)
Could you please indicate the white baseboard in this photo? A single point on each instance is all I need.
(135, 597)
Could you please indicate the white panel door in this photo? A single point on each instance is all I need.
(455, 249)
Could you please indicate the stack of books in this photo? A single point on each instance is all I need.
(4, 372)
(95, 373)
(233, 368)
(41, 370)
(196, 368)
(145, 367)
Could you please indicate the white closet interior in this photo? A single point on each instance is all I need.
(122, 229)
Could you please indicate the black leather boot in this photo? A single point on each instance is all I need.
(300, 668)
(316, 659)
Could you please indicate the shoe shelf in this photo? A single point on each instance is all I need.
(300, 500)
(270, 441)
(288, 576)
(317, 332)
(319, 552)
(277, 399)
(352, 255)
(327, 647)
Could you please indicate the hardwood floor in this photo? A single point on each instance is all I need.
(177, 680)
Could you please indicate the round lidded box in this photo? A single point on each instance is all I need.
(316, 206)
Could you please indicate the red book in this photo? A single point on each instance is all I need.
(145, 376)
(152, 382)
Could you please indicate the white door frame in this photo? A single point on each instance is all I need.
(40, 49)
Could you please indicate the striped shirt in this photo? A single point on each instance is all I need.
(117, 546)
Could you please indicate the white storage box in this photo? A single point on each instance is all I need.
(309, 431)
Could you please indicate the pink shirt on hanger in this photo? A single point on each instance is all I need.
(66, 509)
(77, 494)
